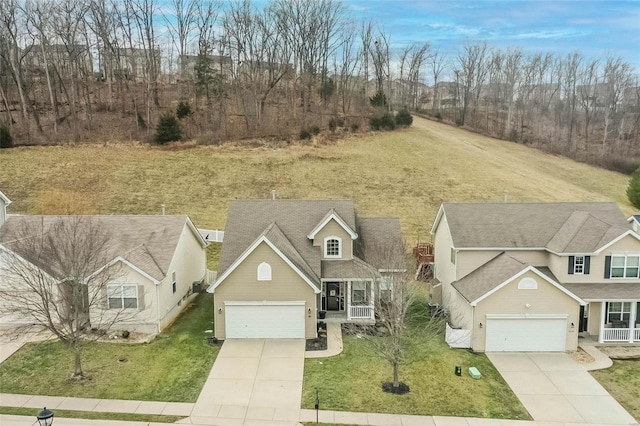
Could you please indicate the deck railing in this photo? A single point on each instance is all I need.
(361, 312)
(620, 335)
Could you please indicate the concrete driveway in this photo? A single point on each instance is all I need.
(254, 380)
(555, 388)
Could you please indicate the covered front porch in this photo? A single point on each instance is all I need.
(350, 299)
(614, 321)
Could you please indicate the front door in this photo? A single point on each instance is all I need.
(333, 296)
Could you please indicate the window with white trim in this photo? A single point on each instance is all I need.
(122, 296)
(619, 311)
(333, 247)
(625, 266)
(578, 265)
(386, 287)
(264, 272)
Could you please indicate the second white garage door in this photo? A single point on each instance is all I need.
(264, 320)
(526, 334)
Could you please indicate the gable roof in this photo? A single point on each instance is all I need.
(581, 227)
(287, 224)
(148, 242)
(279, 243)
(332, 215)
(498, 272)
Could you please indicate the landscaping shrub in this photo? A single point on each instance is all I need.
(633, 190)
(6, 141)
(183, 110)
(404, 118)
(168, 129)
(379, 99)
(385, 122)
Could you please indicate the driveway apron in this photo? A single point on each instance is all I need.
(254, 379)
(555, 388)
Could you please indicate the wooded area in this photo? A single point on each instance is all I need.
(107, 70)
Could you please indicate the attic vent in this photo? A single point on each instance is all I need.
(527, 284)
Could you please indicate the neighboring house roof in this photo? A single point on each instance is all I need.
(6, 199)
(558, 227)
(498, 272)
(148, 242)
(604, 291)
(488, 276)
(288, 224)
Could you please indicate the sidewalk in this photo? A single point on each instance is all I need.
(334, 342)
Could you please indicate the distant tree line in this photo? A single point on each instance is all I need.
(85, 70)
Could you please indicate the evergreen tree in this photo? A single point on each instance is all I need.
(168, 129)
(633, 190)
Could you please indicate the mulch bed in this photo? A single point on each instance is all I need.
(400, 390)
(318, 344)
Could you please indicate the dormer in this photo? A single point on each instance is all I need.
(635, 222)
(334, 237)
(4, 202)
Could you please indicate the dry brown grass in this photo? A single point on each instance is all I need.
(407, 173)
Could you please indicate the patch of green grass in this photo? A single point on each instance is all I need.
(352, 381)
(173, 367)
(622, 381)
(92, 415)
(213, 255)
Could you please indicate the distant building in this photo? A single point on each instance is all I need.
(66, 59)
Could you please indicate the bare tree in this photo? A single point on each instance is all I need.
(55, 272)
(400, 327)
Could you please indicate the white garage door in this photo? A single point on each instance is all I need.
(526, 334)
(264, 320)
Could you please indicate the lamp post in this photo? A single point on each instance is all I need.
(45, 417)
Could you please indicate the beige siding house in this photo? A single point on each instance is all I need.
(536, 276)
(155, 259)
(285, 261)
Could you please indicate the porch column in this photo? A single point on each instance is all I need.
(348, 306)
(372, 302)
(602, 321)
(632, 321)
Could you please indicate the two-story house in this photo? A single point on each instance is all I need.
(283, 261)
(533, 276)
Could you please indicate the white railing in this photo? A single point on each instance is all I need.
(212, 235)
(615, 334)
(361, 312)
(637, 334)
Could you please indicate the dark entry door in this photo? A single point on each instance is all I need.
(333, 296)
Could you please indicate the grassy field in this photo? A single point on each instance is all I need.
(351, 382)
(173, 367)
(622, 381)
(407, 173)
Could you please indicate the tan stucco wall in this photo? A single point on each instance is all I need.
(332, 228)
(143, 319)
(559, 264)
(285, 285)
(546, 299)
(189, 261)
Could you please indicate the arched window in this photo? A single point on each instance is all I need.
(333, 247)
(264, 272)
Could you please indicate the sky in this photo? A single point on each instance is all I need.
(591, 27)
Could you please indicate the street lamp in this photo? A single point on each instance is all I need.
(45, 417)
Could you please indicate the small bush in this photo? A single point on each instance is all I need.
(304, 134)
(633, 190)
(6, 141)
(385, 122)
(380, 99)
(335, 122)
(438, 116)
(168, 129)
(315, 130)
(355, 127)
(183, 110)
(404, 118)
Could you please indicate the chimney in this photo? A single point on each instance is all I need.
(164, 209)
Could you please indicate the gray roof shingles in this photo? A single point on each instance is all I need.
(560, 227)
(248, 220)
(148, 242)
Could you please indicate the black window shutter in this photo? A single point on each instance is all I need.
(607, 267)
(572, 261)
(587, 264)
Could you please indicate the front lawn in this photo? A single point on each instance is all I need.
(351, 382)
(622, 381)
(173, 367)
